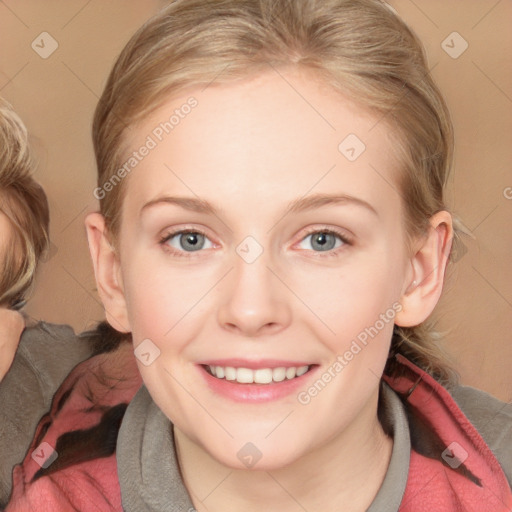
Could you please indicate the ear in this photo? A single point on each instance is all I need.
(107, 271)
(424, 283)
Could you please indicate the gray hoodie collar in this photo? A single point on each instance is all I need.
(150, 478)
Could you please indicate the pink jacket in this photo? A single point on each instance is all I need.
(465, 477)
(445, 484)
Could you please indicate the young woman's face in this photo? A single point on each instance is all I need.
(296, 258)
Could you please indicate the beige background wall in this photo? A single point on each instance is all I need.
(56, 97)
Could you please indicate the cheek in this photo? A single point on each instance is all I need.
(161, 297)
(350, 299)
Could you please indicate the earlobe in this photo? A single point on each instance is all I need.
(106, 265)
(428, 270)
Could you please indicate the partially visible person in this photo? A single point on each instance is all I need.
(11, 327)
(24, 221)
(34, 358)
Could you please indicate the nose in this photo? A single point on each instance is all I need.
(255, 301)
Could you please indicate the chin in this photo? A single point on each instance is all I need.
(249, 456)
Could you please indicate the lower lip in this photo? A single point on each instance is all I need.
(255, 393)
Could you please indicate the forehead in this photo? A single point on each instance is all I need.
(276, 135)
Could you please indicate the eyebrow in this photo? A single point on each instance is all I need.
(298, 205)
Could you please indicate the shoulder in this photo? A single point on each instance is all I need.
(44, 333)
(484, 409)
(451, 430)
(72, 456)
(45, 355)
(49, 352)
(493, 420)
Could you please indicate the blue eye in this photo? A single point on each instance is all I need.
(186, 241)
(325, 240)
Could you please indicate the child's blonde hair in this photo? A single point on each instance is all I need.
(360, 47)
(24, 203)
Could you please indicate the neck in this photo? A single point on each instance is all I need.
(346, 470)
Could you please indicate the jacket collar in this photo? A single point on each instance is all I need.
(446, 447)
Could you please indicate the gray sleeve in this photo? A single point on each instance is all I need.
(492, 418)
(46, 354)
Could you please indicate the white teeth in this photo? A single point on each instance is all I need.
(290, 372)
(278, 374)
(244, 375)
(302, 370)
(260, 376)
(263, 376)
(230, 373)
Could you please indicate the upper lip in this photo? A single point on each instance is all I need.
(254, 364)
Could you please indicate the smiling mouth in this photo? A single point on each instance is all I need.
(259, 376)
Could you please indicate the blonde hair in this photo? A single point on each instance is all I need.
(360, 47)
(24, 203)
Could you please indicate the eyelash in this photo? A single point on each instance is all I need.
(168, 236)
(326, 254)
(330, 231)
